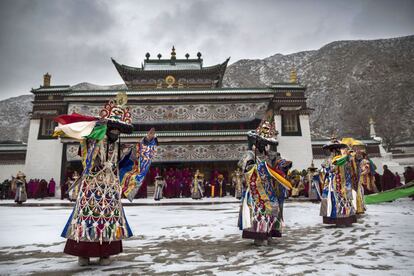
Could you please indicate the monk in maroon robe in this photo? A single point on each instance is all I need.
(30, 188)
(169, 179)
(388, 179)
(43, 188)
(187, 186)
(397, 180)
(378, 177)
(408, 174)
(214, 176)
(51, 187)
(178, 185)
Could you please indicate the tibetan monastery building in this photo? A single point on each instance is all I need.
(199, 123)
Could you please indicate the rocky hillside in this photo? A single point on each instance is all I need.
(348, 82)
(91, 86)
(14, 114)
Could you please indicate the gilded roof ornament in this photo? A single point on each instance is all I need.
(121, 99)
(293, 76)
(371, 121)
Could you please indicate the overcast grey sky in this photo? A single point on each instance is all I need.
(74, 40)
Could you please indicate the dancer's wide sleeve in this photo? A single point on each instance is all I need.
(133, 169)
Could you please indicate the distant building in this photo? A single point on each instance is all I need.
(199, 123)
(12, 158)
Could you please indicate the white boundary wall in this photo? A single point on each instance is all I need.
(297, 149)
(43, 157)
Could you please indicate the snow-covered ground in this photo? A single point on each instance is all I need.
(204, 240)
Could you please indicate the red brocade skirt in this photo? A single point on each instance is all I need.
(92, 249)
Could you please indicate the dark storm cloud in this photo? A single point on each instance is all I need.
(74, 40)
(188, 24)
(54, 36)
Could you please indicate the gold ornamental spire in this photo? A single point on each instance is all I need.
(293, 76)
(46, 79)
(371, 121)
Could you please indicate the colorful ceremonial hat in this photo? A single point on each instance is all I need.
(116, 110)
(267, 129)
(265, 134)
(351, 142)
(334, 144)
(114, 115)
(312, 167)
(20, 174)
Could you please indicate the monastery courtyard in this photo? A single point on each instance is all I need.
(204, 240)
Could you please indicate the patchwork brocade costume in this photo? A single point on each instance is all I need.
(19, 186)
(355, 156)
(197, 185)
(261, 211)
(367, 174)
(313, 179)
(340, 177)
(237, 182)
(98, 224)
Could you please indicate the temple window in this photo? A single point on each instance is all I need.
(291, 124)
(47, 126)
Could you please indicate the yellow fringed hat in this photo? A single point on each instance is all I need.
(351, 142)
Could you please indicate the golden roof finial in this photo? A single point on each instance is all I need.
(173, 53)
(371, 121)
(293, 76)
(121, 98)
(46, 79)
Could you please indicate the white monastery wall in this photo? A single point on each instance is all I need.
(43, 157)
(297, 149)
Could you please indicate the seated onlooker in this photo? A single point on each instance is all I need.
(408, 174)
(397, 180)
(378, 178)
(388, 179)
(51, 187)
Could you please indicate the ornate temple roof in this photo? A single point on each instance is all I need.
(172, 73)
(55, 88)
